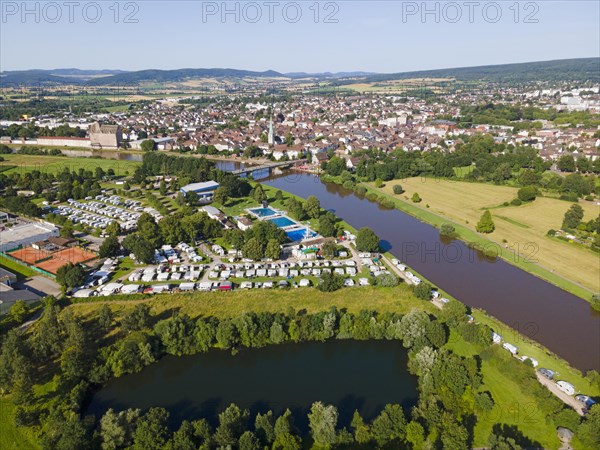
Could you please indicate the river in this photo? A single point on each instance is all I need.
(562, 322)
(363, 375)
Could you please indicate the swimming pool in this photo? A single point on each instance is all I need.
(263, 212)
(299, 233)
(282, 222)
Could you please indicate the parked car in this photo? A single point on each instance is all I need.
(586, 400)
(547, 373)
(566, 387)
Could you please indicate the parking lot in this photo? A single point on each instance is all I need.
(101, 211)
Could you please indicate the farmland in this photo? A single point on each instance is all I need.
(521, 229)
(56, 164)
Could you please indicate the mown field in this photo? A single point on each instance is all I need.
(518, 228)
(56, 164)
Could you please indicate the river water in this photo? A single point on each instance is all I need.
(562, 322)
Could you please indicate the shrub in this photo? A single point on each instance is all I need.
(415, 198)
(398, 189)
(596, 302)
(360, 190)
(379, 183)
(569, 196)
(348, 185)
(372, 196)
(527, 193)
(423, 291)
(551, 232)
(447, 229)
(516, 202)
(589, 198)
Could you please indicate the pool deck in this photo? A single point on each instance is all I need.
(278, 214)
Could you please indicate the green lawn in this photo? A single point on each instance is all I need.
(55, 164)
(19, 270)
(11, 436)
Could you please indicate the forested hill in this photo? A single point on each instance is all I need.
(581, 69)
(576, 70)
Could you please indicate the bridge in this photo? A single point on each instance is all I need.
(269, 166)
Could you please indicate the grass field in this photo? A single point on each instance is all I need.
(520, 229)
(55, 164)
(11, 436)
(231, 304)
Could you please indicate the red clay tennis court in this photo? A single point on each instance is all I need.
(51, 262)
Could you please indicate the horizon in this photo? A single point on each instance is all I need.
(293, 72)
(343, 36)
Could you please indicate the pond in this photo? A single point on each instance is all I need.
(363, 375)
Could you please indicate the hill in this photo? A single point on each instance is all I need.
(581, 69)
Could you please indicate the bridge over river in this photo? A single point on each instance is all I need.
(268, 166)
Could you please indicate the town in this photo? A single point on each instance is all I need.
(289, 211)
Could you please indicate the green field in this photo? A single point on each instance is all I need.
(20, 270)
(56, 164)
(11, 436)
(520, 233)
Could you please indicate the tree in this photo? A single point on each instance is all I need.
(253, 250)
(220, 196)
(142, 249)
(312, 206)
(231, 425)
(264, 426)
(138, 319)
(415, 434)
(113, 228)
(398, 189)
(589, 430)
(67, 230)
(327, 227)
(116, 429)
(152, 432)
(596, 302)
(415, 198)
(110, 247)
(163, 187)
(389, 425)
(329, 249)
(19, 311)
(447, 229)
(335, 166)
(423, 291)
(330, 282)
(249, 441)
(259, 194)
(148, 145)
(566, 163)
(527, 193)
(387, 280)
(105, 318)
(573, 217)
(485, 224)
(362, 434)
(70, 275)
(322, 420)
(273, 250)
(367, 240)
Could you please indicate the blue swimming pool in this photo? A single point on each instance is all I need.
(263, 212)
(299, 233)
(282, 222)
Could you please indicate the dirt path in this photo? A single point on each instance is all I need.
(567, 399)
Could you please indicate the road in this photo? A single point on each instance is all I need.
(567, 399)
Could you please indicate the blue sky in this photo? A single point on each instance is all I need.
(377, 36)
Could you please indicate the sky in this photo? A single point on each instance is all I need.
(293, 36)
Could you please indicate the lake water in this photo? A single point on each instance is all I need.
(363, 375)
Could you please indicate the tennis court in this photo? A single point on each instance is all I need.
(51, 262)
